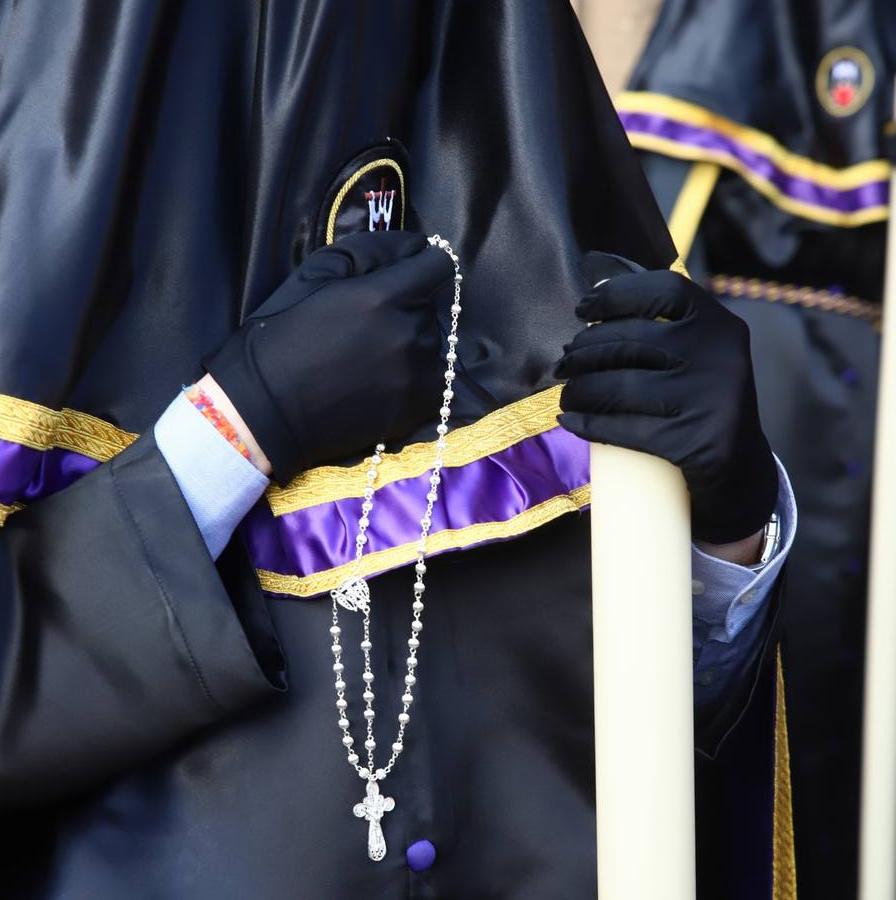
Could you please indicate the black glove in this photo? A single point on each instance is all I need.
(346, 352)
(680, 389)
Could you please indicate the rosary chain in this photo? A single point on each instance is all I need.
(370, 772)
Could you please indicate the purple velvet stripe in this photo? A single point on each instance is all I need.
(865, 196)
(27, 475)
(492, 489)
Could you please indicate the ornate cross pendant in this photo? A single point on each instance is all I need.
(373, 807)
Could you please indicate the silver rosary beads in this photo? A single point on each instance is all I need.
(354, 595)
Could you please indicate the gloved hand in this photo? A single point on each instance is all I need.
(681, 389)
(345, 353)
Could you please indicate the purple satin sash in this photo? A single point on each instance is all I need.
(870, 195)
(27, 475)
(493, 498)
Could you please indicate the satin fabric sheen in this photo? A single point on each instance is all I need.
(163, 167)
(493, 489)
(166, 162)
(27, 474)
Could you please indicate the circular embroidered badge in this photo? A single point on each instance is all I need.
(844, 80)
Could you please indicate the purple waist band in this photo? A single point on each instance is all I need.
(27, 475)
(845, 200)
(494, 489)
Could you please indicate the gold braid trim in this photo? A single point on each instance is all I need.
(495, 432)
(8, 510)
(27, 423)
(791, 294)
(42, 428)
(783, 853)
(91, 436)
(449, 539)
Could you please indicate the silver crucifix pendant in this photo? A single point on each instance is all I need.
(353, 595)
(373, 807)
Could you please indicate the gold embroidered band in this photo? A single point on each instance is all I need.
(440, 541)
(495, 432)
(41, 428)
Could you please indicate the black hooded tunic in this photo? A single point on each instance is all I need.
(163, 166)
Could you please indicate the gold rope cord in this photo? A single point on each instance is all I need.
(439, 541)
(793, 295)
(783, 853)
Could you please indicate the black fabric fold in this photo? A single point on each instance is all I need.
(119, 637)
(164, 165)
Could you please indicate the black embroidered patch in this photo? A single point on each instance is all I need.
(369, 194)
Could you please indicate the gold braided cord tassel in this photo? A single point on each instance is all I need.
(783, 852)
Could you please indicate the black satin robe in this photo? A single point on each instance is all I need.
(163, 166)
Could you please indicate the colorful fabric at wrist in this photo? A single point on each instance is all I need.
(222, 424)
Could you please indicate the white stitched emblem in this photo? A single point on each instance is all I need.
(379, 206)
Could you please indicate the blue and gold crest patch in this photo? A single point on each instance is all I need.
(844, 81)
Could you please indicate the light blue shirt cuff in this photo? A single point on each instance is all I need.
(731, 603)
(219, 484)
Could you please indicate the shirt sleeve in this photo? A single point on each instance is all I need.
(219, 484)
(731, 606)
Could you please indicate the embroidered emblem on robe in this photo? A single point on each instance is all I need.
(844, 81)
(368, 194)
